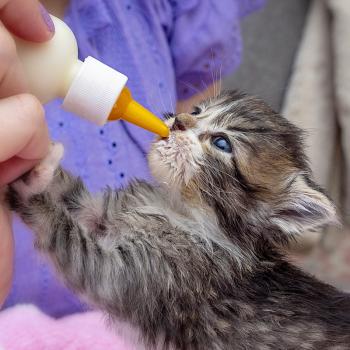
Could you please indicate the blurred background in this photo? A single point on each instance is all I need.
(271, 37)
(300, 51)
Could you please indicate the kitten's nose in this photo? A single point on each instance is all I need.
(183, 122)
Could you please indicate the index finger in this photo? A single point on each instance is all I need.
(27, 19)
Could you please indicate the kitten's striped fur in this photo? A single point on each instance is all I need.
(194, 262)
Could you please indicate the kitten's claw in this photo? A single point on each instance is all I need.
(37, 180)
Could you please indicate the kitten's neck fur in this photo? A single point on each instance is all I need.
(188, 211)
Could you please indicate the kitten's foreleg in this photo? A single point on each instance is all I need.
(89, 239)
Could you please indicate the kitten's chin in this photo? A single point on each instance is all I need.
(174, 161)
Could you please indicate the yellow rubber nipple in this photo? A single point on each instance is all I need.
(127, 109)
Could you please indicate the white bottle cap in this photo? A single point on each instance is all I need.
(94, 91)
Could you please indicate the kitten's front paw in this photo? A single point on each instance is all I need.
(38, 179)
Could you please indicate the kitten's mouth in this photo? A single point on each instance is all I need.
(177, 126)
(170, 125)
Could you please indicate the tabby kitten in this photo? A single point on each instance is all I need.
(194, 262)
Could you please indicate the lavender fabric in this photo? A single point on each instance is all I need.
(169, 50)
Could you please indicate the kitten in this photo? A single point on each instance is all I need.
(195, 261)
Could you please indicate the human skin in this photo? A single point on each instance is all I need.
(24, 135)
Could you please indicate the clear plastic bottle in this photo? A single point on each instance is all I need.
(90, 89)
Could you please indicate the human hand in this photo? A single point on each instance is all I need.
(24, 137)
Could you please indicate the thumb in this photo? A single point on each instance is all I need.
(27, 19)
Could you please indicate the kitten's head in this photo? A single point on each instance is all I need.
(246, 162)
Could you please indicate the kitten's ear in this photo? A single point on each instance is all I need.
(304, 207)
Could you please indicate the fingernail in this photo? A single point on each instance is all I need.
(47, 19)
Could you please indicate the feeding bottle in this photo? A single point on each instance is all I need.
(90, 89)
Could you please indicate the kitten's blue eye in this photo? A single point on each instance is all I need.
(222, 144)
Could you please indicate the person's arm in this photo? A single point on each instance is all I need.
(205, 45)
(187, 105)
(24, 136)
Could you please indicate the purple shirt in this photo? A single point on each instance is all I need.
(169, 50)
